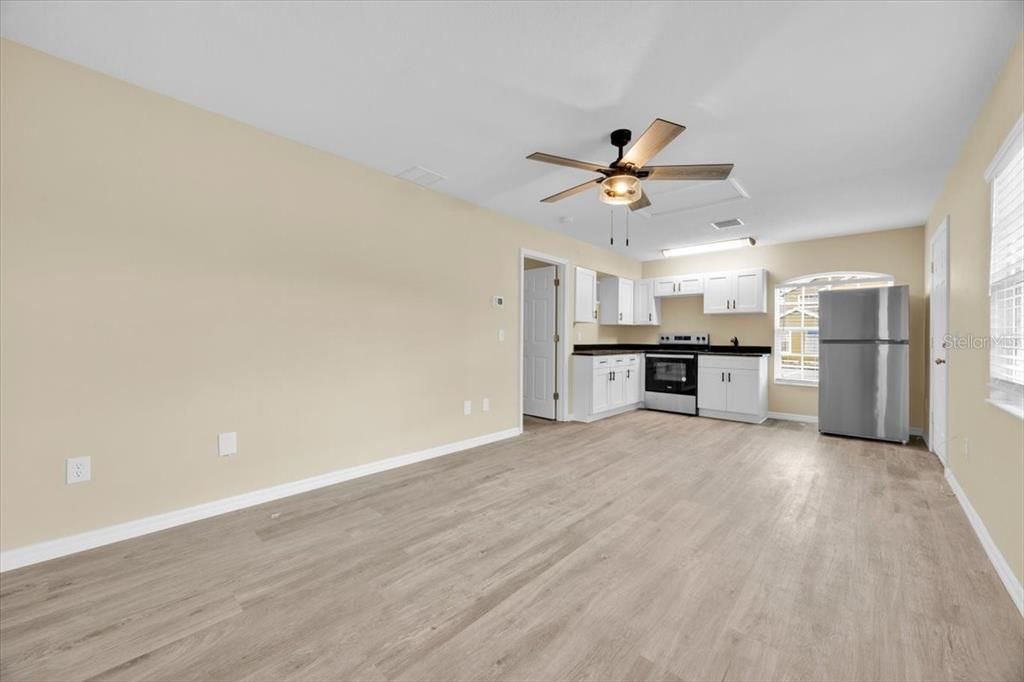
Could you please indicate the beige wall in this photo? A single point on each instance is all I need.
(986, 444)
(895, 252)
(168, 273)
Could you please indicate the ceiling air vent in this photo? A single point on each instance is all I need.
(421, 176)
(723, 224)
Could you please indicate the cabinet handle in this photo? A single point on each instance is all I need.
(627, 373)
(723, 376)
(650, 317)
(620, 317)
(730, 377)
(595, 313)
(611, 376)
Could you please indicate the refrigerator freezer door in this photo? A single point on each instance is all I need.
(865, 314)
(864, 390)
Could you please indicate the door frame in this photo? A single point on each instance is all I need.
(561, 324)
(943, 233)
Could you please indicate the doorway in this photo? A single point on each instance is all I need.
(938, 345)
(543, 368)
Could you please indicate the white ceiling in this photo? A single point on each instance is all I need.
(841, 117)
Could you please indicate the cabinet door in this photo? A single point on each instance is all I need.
(632, 385)
(625, 301)
(691, 285)
(711, 389)
(749, 296)
(718, 292)
(617, 392)
(666, 286)
(601, 397)
(742, 385)
(586, 295)
(645, 310)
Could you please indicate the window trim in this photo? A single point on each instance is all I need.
(860, 276)
(997, 392)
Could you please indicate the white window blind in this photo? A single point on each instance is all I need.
(1006, 275)
(796, 321)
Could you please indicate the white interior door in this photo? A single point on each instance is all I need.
(938, 355)
(539, 342)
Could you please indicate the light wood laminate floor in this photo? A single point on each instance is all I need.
(646, 546)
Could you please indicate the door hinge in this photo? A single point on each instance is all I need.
(556, 338)
(556, 395)
(558, 282)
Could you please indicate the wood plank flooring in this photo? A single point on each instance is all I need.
(648, 546)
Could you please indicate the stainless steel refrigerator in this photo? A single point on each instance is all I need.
(864, 363)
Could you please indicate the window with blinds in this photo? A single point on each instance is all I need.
(796, 321)
(1006, 275)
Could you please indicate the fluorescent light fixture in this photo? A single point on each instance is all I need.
(709, 247)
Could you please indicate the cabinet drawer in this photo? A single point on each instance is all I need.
(728, 362)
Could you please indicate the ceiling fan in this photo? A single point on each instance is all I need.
(620, 181)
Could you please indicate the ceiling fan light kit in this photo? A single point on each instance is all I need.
(620, 190)
(709, 247)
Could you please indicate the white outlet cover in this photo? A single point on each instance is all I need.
(467, 407)
(79, 470)
(486, 405)
(501, 335)
(227, 443)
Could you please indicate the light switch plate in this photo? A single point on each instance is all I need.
(467, 407)
(501, 335)
(485, 406)
(227, 443)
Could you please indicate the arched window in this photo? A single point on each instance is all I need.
(796, 320)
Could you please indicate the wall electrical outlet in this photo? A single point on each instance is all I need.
(467, 407)
(227, 443)
(79, 469)
(485, 406)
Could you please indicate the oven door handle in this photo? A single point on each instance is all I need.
(680, 357)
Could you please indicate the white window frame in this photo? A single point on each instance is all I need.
(875, 278)
(1006, 395)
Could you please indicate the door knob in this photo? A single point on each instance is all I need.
(939, 361)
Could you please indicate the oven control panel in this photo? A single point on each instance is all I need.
(685, 339)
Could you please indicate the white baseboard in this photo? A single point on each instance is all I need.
(813, 419)
(790, 417)
(609, 413)
(51, 549)
(1010, 581)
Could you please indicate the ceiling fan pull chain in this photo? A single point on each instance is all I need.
(626, 209)
(611, 226)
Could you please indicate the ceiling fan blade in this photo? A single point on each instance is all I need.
(714, 171)
(657, 136)
(642, 202)
(562, 161)
(572, 190)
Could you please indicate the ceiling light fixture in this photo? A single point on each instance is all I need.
(620, 190)
(709, 247)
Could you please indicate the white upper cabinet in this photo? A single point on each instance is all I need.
(718, 292)
(740, 291)
(586, 295)
(646, 308)
(682, 285)
(616, 296)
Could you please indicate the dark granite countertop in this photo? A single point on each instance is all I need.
(626, 348)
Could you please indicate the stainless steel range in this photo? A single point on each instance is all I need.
(671, 373)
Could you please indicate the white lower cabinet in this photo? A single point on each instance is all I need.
(733, 387)
(604, 385)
